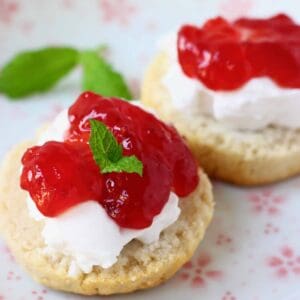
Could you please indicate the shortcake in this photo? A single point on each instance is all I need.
(232, 90)
(108, 199)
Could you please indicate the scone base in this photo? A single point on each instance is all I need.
(139, 266)
(239, 157)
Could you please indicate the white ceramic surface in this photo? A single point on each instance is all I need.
(252, 248)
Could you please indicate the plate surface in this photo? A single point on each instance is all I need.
(252, 248)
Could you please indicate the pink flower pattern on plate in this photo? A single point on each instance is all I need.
(12, 276)
(118, 11)
(67, 4)
(270, 229)
(199, 272)
(223, 239)
(39, 294)
(228, 296)
(8, 9)
(266, 202)
(6, 251)
(287, 262)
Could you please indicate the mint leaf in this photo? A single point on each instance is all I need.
(101, 78)
(104, 146)
(108, 153)
(36, 71)
(129, 164)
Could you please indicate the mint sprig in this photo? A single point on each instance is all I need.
(100, 77)
(35, 71)
(108, 153)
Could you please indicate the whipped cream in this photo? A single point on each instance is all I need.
(85, 232)
(256, 105)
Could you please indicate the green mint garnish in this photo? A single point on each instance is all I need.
(108, 153)
(36, 71)
(101, 78)
(39, 70)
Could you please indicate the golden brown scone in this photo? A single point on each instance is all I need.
(139, 266)
(241, 157)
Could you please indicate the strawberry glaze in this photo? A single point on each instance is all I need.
(225, 56)
(60, 175)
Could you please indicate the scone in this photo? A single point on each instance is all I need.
(69, 242)
(232, 90)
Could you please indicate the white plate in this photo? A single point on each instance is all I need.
(252, 249)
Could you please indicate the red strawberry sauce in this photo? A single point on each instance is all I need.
(225, 55)
(59, 175)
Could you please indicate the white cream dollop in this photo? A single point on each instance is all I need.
(85, 232)
(256, 105)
